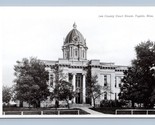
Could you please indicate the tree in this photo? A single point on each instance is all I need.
(62, 90)
(130, 90)
(7, 94)
(94, 90)
(139, 80)
(31, 81)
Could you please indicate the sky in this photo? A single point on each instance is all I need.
(111, 33)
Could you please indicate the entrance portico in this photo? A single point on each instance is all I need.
(79, 85)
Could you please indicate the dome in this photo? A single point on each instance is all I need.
(74, 36)
(74, 47)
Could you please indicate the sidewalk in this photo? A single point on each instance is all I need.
(92, 112)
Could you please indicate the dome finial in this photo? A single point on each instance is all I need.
(74, 25)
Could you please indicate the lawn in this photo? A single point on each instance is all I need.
(42, 111)
(105, 110)
(125, 111)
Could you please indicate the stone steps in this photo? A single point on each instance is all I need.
(80, 105)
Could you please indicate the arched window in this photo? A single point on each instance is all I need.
(76, 52)
(65, 55)
(71, 52)
(83, 53)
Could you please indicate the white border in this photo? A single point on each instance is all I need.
(64, 116)
(76, 116)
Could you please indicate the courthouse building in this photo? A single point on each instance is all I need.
(75, 61)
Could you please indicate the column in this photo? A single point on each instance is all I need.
(74, 85)
(84, 88)
(67, 77)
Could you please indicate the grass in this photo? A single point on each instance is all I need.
(45, 111)
(105, 110)
(126, 111)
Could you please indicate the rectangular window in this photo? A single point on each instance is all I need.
(115, 96)
(78, 80)
(51, 79)
(70, 77)
(118, 81)
(115, 82)
(105, 80)
(105, 96)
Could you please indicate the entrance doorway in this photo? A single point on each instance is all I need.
(78, 99)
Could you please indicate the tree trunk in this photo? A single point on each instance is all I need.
(29, 105)
(56, 104)
(68, 104)
(38, 104)
(21, 104)
(94, 103)
(133, 104)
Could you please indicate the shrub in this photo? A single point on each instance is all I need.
(112, 103)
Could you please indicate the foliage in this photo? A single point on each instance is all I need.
(31, 81)
(112, 103)
(139, 80)
(94, 90)
(62, 90)
(7, 94)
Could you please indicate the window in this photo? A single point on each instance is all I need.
(51, 80)
(105, 96)
(115, 96)
(105, 80)
(78, 80)
(76, 53)
(70, 77)
(83, 53)
(71, 51)
(118, 81)
(65, 54)
(115, 82)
